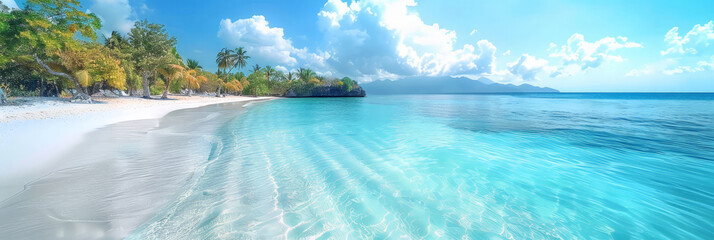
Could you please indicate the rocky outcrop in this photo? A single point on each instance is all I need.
(110, 93)
(326, 91)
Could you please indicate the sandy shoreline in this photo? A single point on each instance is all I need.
(50, 108)
(34, 134)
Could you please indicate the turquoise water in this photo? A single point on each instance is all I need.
(543, 166)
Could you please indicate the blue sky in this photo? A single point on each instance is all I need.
(569, 45)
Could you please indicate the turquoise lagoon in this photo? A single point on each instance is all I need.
(522, 166)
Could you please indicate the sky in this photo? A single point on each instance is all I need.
(580, 46)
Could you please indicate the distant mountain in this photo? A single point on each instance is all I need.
(430, 85)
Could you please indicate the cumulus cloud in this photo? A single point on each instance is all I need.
(367, 40)
(281, 68)
(588, 55)
(691, 43)
(684, 54)
(373, 39)
(689, 53)
(528, 68)
(116, 15)
(10, 3)
(264, 43)
(704, 65)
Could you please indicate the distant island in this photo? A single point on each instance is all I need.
(443, 85)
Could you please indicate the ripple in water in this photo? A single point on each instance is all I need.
(439, 166)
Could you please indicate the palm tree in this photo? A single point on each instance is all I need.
(256, 68)
(240, 75)
(241, 58)
(171, 72)
(290, 77)
(193, 80)
(192, 64)
(226, 60)
(269, 71)
(305, 74)
(115, 41)
(192, 77)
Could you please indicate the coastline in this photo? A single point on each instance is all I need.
(34, 135)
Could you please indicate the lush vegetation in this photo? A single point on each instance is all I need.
(52, 48)
(267, 81)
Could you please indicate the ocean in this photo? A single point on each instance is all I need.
(467, 166)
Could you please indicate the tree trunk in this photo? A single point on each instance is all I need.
(218, 93)
(80, 95)
(145, 82)
(166, 91)
(3, 98)
(42, 87)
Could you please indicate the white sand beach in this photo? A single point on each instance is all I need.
(34, 134)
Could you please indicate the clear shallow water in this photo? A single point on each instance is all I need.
(455, 166)
(527, 166)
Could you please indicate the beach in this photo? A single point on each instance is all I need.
(97, 171)
(38, 130)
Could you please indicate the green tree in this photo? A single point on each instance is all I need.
(347, 84)
(269, 71)
(44, 30)
(193, 64)
(241, 59)
(228, 60)
(256, 68)
(240, 75)
(225, 59)
(258, 84)
(152, 48)
(290, 77)
(305, 74)
(171, 72)
(122, 50)
(194, 76)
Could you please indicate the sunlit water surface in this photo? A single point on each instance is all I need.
(539, 166)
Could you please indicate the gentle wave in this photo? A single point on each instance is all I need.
(421, 167)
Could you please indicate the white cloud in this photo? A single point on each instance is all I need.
(144, 9)
(692, 43)
(587, 55)
(639, 72)
(704, 65)
(507, 53)
(263, 43)
(473, 32)
(281, 68)
(335, 10)
(373, 39)
(679, 70)
(268, 45)
(10, 3)
(689, 49)
(116, 15)
(528, 67)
